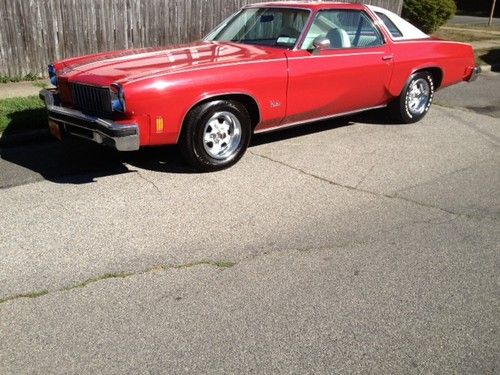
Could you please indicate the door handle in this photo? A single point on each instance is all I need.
(388, 57)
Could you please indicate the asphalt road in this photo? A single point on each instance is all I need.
(482, 96)
(352, 245)
(472, 20)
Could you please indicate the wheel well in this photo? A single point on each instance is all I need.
(249, 103)
(437, 74)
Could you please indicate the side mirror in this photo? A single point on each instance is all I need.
(321, 43)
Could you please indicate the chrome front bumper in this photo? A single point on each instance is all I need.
(475, 73)
(102, 131)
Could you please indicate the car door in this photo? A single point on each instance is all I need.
(352, 74)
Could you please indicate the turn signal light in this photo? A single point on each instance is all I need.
(159, 124)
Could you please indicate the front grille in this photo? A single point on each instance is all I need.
(95, 100)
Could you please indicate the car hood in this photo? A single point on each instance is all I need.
(130, 65)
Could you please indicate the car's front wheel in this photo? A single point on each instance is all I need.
(215, 135)
(415, 99)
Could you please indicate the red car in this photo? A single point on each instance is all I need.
(269, 66)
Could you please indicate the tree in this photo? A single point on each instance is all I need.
(428, 15)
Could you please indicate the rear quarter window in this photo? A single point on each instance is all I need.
(395, 32)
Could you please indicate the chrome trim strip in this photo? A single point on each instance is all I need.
(428, 40)
(293, 124)
(337, 55)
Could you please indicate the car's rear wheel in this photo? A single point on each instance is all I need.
(415, 99)
(215, 135)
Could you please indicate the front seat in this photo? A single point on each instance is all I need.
(290, 32)
(338, 38)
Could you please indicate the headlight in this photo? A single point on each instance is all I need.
(53, 75)
(117, 98)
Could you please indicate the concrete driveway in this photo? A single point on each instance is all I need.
(353, 245)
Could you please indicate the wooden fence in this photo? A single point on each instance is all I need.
(34, 33)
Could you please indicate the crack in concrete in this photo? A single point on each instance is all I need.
(448, 174)
(139, 173)
(118, 275)
(369, 192)
(365, 176)
(221, 264)
(341, 245)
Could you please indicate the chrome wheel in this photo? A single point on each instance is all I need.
(215, 135)
(418, 96)
(222, 135)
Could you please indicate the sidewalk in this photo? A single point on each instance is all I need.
(18, 89)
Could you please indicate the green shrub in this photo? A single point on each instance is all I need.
(428, 15)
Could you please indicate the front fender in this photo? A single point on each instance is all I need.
(222, 94)
(170, 97)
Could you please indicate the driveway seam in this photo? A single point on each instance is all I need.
(222, 265)
(118, 275)
(369, 192)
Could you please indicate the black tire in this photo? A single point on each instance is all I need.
(231, 116)
(401, 109)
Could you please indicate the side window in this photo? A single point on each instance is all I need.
(393, 29)
(344, 29)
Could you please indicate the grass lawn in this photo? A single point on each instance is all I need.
(485, 28)
(22, 114)
(464, 36)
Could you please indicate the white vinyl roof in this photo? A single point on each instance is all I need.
(407, 29)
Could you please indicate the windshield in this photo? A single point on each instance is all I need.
(280, 27)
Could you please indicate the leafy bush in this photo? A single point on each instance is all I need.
(428, 15)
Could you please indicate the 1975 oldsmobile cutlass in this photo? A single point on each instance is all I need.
(269, 66)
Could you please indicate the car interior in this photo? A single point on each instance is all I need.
(281, 27)
(344, 29)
